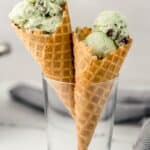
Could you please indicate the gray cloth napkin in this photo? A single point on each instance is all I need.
(4, 49)
(143, 142)
(30, 96)
(132, 105)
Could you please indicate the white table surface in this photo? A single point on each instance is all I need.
(25, 129)
(16, 138)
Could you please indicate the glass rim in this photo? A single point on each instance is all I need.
(71, 83)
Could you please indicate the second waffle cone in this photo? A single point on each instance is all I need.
(93, 84)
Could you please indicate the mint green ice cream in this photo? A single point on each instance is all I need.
(114, 25)
(38, 14)
(48, 25)
(108, 33)
(100, 43)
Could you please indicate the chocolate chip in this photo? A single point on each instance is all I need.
(45, 32)
(118, 35)
(41, 3)
(115, 24)
(125, 40)
(110, 32)
(47, 15)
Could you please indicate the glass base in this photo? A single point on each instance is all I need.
(62, 130)
(62, 133)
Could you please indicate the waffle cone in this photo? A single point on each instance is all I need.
(53, 52)
(91, 92)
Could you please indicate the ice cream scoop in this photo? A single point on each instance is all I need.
(38, 14)
(100, 43)
(114, 25)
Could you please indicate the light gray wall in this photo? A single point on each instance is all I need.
(20, 65)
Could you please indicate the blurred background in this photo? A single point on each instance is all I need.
(19, 67)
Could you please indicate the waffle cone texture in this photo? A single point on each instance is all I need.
(91, 91)
(53, 52)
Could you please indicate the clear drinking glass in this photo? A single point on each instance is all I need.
(62, 133)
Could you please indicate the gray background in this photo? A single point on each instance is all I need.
(20, 66)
